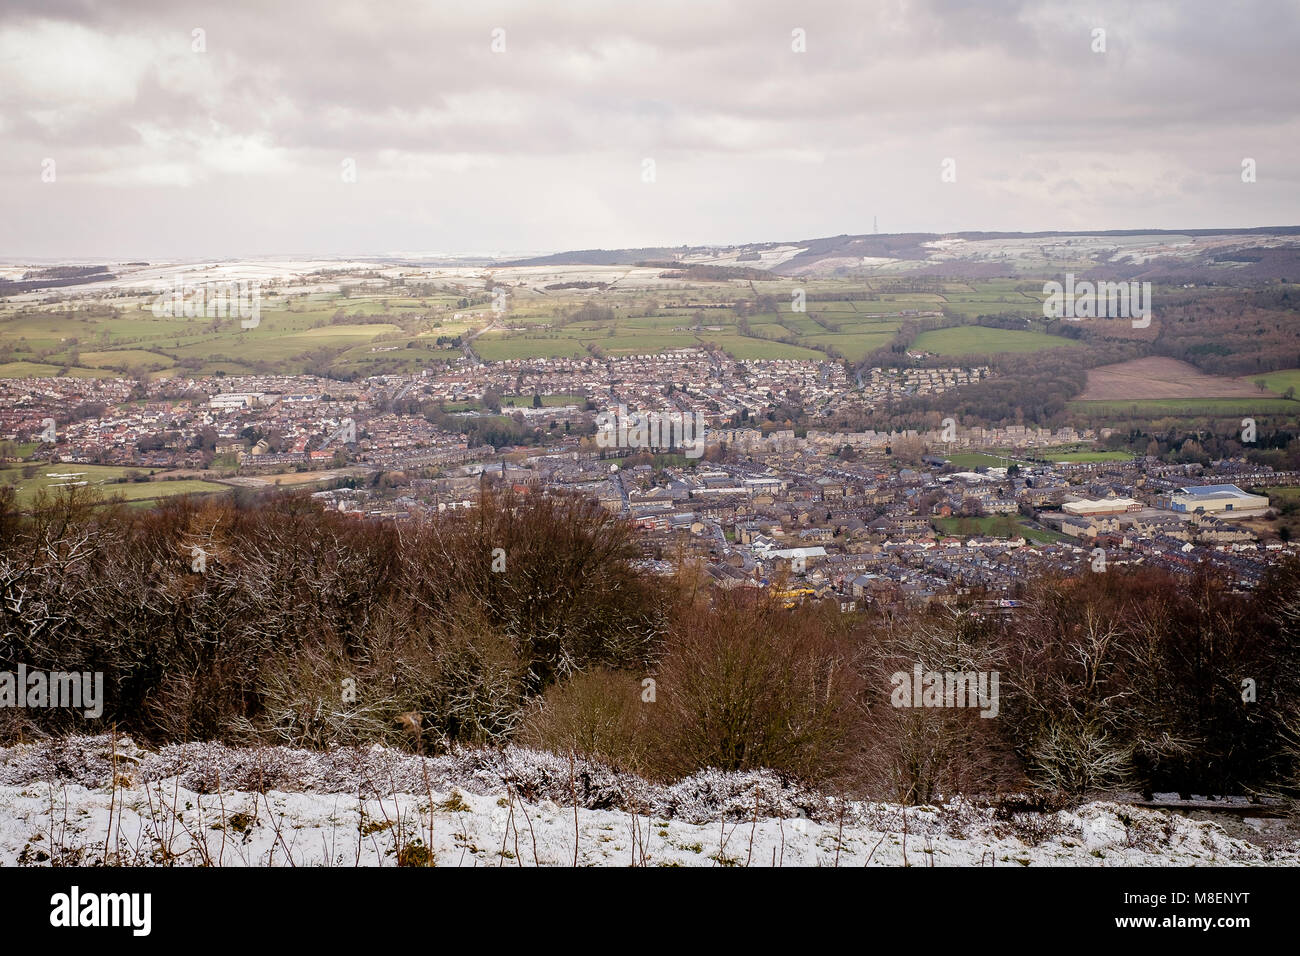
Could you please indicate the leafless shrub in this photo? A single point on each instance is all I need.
(917, 754)
(598, 715)
(749, 685)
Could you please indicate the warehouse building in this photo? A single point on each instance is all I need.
(1219, 500)
(1103, 506)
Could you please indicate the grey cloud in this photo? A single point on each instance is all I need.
(712, 91)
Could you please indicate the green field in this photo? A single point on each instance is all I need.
(103, 478)
(977, 340)
(1278, 382)
(995, 526)
(974, 305)
(41, 370)
(1175, 407)
(27, 370)
(742, 348)
(129, 360)
(498, 347)
(1069, 453)
(854, 346)
(548, 401)
(969, 460)
(1289, 493)
(154, 490)
(1085, 456)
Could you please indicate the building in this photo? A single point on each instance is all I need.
(1103, 506)
(235, 400)
(1217, 500)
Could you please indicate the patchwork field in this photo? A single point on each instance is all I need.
(122, 337)
(393, 324)
(354, 322)
(1155, 378)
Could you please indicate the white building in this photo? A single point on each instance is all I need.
(1223, 500)
(1103, 506)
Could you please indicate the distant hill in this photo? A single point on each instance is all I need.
(1203, 256)
(600, 257)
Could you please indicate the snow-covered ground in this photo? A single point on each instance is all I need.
(80, 801)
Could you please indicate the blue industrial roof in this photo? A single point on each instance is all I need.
(1207, 490)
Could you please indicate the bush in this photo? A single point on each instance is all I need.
(599, 715)
(750, 685)
(915, 755)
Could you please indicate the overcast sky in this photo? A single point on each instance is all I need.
(162, 151)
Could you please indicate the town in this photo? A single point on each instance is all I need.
(860, 519)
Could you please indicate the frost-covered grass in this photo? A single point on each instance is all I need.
(79, 801)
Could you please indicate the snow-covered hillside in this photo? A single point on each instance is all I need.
(82, 801)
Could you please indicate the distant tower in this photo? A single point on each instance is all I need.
(875, 228)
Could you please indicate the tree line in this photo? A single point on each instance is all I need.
(528, 619)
